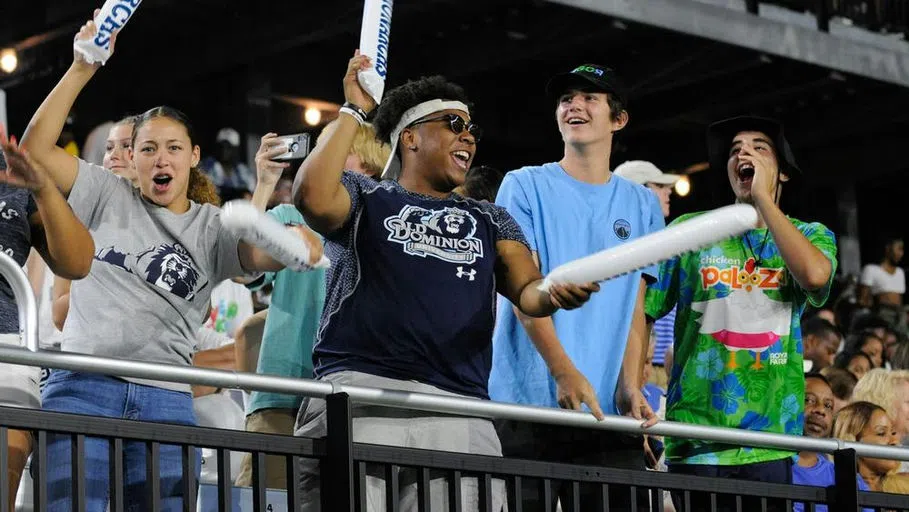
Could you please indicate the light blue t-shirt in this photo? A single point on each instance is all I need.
(290, 329)
(819, 475)
(565, 219)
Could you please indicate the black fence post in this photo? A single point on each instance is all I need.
(337, 469)
(751, 6)
(823, 15)
(845, 476)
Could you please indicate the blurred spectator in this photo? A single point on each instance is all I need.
(215, 407)
(901, 356)
(827, 314)
(891, 342)
(821, 341)
(481, 183)
(884, 284)
(842, 383)
(607, 341)
(649, 175)
(282, 344)
(225, 167)
(283, 193)
(290, 329)
(857, 363)
(869, 343)
(812, 468)
(865, 422)
(367, 153)
(890, 390)
(733, 341)
(660, 183)
(95, 143)
(231, 305)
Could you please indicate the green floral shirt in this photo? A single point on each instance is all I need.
(738, 341)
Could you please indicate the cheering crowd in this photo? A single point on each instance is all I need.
(434, 287)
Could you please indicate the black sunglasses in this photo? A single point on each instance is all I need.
(457, 124)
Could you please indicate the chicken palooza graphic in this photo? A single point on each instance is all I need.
(745, 318)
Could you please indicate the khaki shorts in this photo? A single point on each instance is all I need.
(19, 385)
(400, 427)
(268, 421)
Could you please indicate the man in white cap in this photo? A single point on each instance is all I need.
(649, 175)
(225, 168)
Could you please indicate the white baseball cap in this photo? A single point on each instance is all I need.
(228, 135)
(642, 172)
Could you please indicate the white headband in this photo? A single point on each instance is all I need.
(414, 113)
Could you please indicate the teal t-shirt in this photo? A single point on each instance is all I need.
(293, 321)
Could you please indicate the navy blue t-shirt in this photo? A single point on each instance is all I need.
(16, 206)
(412, 287)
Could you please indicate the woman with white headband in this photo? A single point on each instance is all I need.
(415, 271)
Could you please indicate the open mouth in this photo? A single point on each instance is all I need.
(746, 173)
(576, 121)
(162, 182)
(461, 158)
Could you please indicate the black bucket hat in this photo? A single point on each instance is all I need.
(599, 78)
(721, 133)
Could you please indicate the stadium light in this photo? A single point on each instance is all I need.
(312, 116)
(8, 60)
(683, 186)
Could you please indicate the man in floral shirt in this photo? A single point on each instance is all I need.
(738, 350)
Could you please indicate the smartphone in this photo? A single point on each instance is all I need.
(297, 146)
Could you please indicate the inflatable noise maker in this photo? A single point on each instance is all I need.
(691, 235)
(374, 35)
(262, 230)
(113, 16)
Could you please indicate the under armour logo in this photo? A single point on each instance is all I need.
(470, 273)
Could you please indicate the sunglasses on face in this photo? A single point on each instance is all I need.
(457, 124)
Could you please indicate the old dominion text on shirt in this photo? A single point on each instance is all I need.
(16, 206)
(411, 289)
(738, 343)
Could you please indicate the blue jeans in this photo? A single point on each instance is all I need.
(100, 395)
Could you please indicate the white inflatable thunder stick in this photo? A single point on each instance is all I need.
(375, 33)
(693, 234)
(113, 16)
(262, 230)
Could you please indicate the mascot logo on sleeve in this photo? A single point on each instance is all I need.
(446, 234)
(168, 267)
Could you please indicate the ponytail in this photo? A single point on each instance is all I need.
(201, 189)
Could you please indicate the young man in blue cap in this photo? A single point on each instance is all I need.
(738, 347)
(567, 210)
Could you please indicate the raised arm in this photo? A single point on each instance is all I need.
(318, 192)
(268, 172)
(47, 124)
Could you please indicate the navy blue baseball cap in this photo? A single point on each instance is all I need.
(589, 76)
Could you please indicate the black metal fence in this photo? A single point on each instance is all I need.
(345, 464)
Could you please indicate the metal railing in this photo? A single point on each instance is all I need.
(344, 463)
(25, 299)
